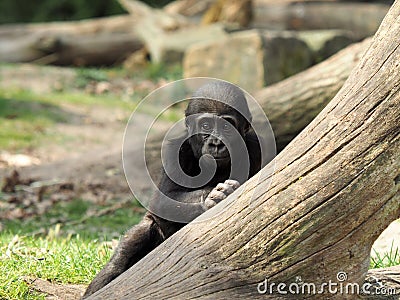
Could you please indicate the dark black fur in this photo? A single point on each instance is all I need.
(153, 230)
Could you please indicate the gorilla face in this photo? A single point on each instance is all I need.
(212, 134)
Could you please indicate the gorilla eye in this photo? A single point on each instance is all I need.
(205, 126)
(226, 127)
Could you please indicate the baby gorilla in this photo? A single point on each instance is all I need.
(213, 129)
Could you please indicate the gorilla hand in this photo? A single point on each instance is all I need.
(220, 192)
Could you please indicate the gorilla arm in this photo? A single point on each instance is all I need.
(136, 243)
(184, 204)
(142, 238)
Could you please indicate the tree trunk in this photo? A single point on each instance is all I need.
(313, 212)
(293, 103)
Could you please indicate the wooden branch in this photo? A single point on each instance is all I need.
(163, 20)
(167, 35)
(293, 103)
(315, 213)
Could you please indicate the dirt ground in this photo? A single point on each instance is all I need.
(95, 156)
(90, 150)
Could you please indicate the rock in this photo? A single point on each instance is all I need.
(388, 241)
(324, 43)
(251, 58)
(285, 54)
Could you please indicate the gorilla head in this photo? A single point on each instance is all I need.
(217, 116)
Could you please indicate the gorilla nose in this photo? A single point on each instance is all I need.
(217, 147)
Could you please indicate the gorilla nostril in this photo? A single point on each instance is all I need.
(215, 143)
(221, 147)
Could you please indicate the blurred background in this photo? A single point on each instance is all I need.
(66, 10)
(72, 72)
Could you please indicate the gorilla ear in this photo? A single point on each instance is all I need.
(187, 124)
(246, 127)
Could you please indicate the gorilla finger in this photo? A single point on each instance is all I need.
(225, 188)
(235, 184)
(209, 203)
(216, 195)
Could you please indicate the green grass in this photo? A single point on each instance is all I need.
(24, 122)
(169, 72)
(152, 71)
(76, 218)
(61, 260)
(27, 119)
(86, 75)
(389, 259)
(71, 251)
(56, 99)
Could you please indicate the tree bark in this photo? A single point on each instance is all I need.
(311, 213)
(293, 103)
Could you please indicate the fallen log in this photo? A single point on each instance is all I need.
(362, 19)
(121, 24)
(310, 215)
(293, 103)
(99, 49)
(103, 41)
